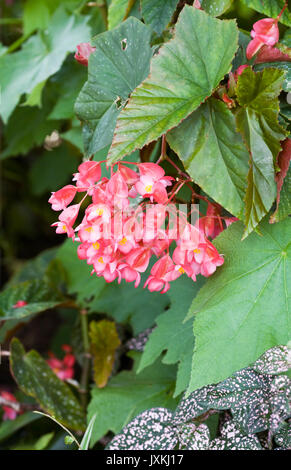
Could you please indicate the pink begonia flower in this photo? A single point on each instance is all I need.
(135, 263)
(63, 368)
(197, 5)
(153, 182)
(19, 304)
(9, 413)
(211, 224)
(117, 191)
(131, 177)
(264, 31)
(84, 50)
(162, 272)
(60, 199)
(67, 218)
(89, 173)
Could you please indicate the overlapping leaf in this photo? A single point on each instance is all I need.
(169, 331)
(232, 439)
(40, 57)
(127, 394)
(158, 13)
(36, 379)
(118, 66)
(214, 154)
(183, 74)
(258, 122)
(270, 8)
(244, 308)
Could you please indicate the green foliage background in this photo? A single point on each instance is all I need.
(54, 111)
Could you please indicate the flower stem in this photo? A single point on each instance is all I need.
(87, 358)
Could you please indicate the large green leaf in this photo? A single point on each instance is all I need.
(41, 56)
(169, 331)
(118, 66)
(257, 120)
(36, 379)
(214, 153)
(158, 13)
(244, 309)
(183, 74)
(270, 8)
(128, 394)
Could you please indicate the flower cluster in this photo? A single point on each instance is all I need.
(131, 218)
(63, 368)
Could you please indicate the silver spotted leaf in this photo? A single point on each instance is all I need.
(274, 361)
(283, 436)
(151, 430)
(192, 437)
(232, 439)
(242, 388)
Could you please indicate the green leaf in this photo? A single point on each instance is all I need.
(183, 74)
(270, 8)
(285, 66)
(68, 83)
(43, 441)
(257, 120)
(39, 297)
(21, 134)
(10, 427)
(34, 98)
(244, 308)
(104, 342)
(169, 331)
(128, 394)
(214, 154)
(116, 68)
(36, 379)
(127, 304)
(158, 13)
(43, 176)
(216, 7)
(79, 280)
(84, 445)
(117, 10)
(233, 439)
(41, 56)
(36, 15)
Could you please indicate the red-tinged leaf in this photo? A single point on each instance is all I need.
(283, 162)
(272, 54)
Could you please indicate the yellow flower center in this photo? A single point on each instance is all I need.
(96, 246)
(64, 228)
(100, 260)
(123, 241)
(196, 250)
(181, 270)
(148, 188)
(99, 211)
(88, 229)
